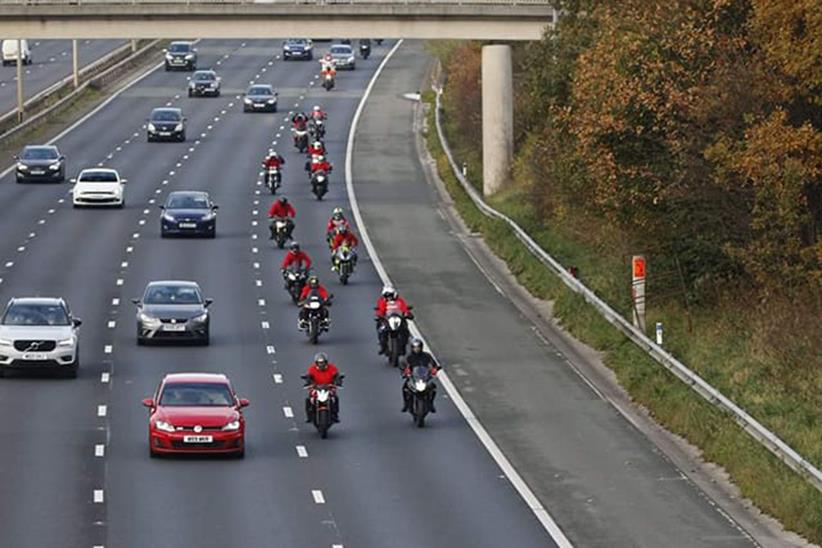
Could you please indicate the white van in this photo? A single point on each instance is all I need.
(10, 52)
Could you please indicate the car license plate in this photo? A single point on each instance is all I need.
(165, 133)
(258, 105)
(174, 327)
(34, 356)
(187, 225)
(198, 439)
(37, 172)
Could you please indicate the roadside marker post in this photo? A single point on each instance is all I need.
(638, 290)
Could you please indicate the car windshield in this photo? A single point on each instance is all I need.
(165, 116)
(297, 42)
(35, 314)
(341, 50)
(39, 153)
(179, 48)
(259, 91)
(187, 201)
(196, 394)
(205, 76)
(172, 294)
(98, 177)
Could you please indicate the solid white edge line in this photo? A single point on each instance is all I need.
(493, 449)
(94, 111)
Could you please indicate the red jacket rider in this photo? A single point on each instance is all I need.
(296, 257)
(279, 209)
(314, 150)
(321, 291)
(384, 306)
(344, 236)
(273, 160)
(317, 376)
(321, 165)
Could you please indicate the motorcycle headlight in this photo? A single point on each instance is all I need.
(233, 425)
(420, 385)
(22, 167)
(322, 395)
(394, 322)
(320, 179)
(164, 426)
(314, 305)
(178, 127)
(152, 128)
(5, 342)
(66, 342)
(55, 166)
(292, 276)
(201, 318)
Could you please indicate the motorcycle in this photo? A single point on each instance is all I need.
(365, 50)
(294, 282)
(317, 130)
(344, 259)
(301, 139)
(319, 184)
(280, 229)
(322, 399)
(396, 325)
(273, 178)
(420, 386)
(328, 82)
(316, 324)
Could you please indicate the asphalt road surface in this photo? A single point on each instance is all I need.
(74, 464)
(51, 62)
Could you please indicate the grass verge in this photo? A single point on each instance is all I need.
(772, 486)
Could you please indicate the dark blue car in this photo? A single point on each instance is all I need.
(189, 212)
(298, 48)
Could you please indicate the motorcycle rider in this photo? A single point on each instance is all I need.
(313, 289)
(296, 257)
(365, 47)
(388, 297)
(299, 121)
(319, 373)
(418, 358)
(337, 220)
(273, 160)
(347, 237)
(321, 164)
(318, 114)
(316, 149)
(328, 62)
(282, 209)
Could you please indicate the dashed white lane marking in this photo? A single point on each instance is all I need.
(141, 222)
(318, 496)
(265, 325)
(258, 283)
(336, 546)
(9, 264)
(108, 348)
(101, 410)
(288, 412)
(254, 250)
(21, 248)
(112, 324)
(302, 452)
(105, 377)
(32, 234)
(119, 281)
(270, 348)
(254, 223)
(115, 301)
(164, 182)
(129, 249)
(99, 450)
(261, 302)
(61, 201)
(124, 264)
(98, 496)
(255, 212)
(41, 222)
(278, 378)
(253, 236)
(256, 266)
(135, 236)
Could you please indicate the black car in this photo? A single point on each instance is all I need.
(298, 48)
(166, 124)
(181, 55)
(173, 311)
(40, 163)
(204, 82)
(260, 98)
(189, 212)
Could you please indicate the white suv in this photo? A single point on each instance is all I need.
(39, 334)
(97, 187)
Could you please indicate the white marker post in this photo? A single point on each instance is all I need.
(638, 290)
(659, 333)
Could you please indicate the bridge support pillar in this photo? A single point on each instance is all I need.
(497, 117)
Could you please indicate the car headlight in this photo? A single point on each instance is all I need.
(287, 48)
(22, 167)
(169, 218)
(66, 342)
(208, 217)
(233, 425)
(152, 128)
(55, 166)
(178, 127)
(164, 426)
(201, 318)
(146, 319)
(5, 342)
(247, 101)
(190, 56)
(272, 101)
(351, 59)
(169, 57)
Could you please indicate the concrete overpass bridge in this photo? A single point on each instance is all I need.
(497, 20)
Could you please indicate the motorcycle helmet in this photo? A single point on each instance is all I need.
(338, 213)
(295, 247)
(313, 282)
(416, 345)
(328, 57)
(321, 359)
(389, 292)
(316, 108)
(318, 144)
(283, 200)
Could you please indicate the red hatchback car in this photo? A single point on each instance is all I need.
(196, 413)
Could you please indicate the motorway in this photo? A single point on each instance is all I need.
(51, 62)
(74, 466)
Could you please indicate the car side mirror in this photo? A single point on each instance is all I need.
(148, 402)
(135, 301)
(244, 402)
(185, 119)
(161, 206)
(62, 158)
(208, 302)
(123, 181)
(76, 322)
(215, 206)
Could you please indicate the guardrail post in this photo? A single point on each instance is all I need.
(75, 64)
(20, 101)
(133, 45)
(497, 117)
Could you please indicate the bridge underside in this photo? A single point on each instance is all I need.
(421, 21)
